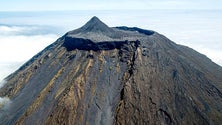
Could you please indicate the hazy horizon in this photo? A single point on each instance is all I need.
(24, 34)
(41, 5)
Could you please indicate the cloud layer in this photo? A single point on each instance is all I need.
(25, 30)
(4, 102)
(20, 43)
(2, 83)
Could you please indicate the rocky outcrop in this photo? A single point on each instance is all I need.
(102, 75)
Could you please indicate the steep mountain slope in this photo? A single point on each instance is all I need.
(102, 75)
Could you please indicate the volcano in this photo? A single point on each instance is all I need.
(114, 75)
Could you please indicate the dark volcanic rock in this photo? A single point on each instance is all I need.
(86, 44)
(146, 32)
(94, 25)
(102, 75)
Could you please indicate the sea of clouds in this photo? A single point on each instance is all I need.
(19, 43)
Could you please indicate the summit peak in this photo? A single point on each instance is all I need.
(94, 25)
(95, 19)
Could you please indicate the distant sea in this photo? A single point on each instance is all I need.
(23, 34)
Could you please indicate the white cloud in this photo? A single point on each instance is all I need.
(4, 102)
(214, 55)
(2, 83)
(20, 48)
(25, 30)
(16, 47)
(7, 68)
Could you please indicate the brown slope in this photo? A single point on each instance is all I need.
(129, 76)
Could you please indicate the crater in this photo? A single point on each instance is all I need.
(71, 43)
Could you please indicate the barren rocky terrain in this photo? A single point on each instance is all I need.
(121, 75)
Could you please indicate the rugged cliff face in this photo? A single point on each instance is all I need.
(102, 75)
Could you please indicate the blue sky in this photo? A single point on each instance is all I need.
(41, 5)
